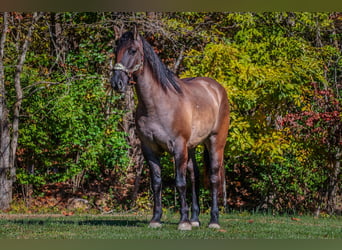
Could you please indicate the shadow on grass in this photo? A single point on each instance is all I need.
(119, 223)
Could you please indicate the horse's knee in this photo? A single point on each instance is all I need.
(180, 183)
(214, 173)
(156, 182)
(214, 179)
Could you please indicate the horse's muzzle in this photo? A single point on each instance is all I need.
(118, 82)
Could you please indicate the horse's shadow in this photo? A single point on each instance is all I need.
(119, 223)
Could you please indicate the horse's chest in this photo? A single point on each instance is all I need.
(152, 131)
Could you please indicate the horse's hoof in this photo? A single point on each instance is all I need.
(155, 225)
(195, 223)
(184, 226)
(214, 225)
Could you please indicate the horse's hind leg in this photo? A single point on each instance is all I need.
(216, 149)
(194, 176)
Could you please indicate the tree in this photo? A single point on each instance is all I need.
(10, 118)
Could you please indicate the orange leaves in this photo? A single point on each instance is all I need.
(67, 213)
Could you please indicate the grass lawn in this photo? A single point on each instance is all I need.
(135, 226)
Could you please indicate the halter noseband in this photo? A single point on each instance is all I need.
(119, 66)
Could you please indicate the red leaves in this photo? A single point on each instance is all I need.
(17, 16)
(310, 118)
(321, 123)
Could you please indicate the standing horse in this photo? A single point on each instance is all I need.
(174, 115)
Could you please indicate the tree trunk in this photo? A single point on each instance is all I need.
(334, 183)
(5, 168)
(135, 154)
(5, 180)
(9, 137)
(58, 44)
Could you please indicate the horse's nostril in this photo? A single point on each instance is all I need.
(116, 83)
(112, 82)
(120, 84)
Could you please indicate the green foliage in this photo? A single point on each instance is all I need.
(266, 68)
(72, 131)
(71, 126)
(71, 122)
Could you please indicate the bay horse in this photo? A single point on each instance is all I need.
(174, 115)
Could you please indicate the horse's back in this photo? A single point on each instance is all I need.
(206, 89)
(210, 113)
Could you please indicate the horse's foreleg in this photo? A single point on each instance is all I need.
(181, 160)
(156, 184)
(194, 176)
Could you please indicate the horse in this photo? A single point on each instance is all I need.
(174, 115)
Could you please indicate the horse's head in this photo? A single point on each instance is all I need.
(129, 60)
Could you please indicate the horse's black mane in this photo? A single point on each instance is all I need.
(164, 75)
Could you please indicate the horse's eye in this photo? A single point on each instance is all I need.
(132, 51)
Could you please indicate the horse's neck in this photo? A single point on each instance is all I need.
(149, 91)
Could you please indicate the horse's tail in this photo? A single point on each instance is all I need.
(221, 176)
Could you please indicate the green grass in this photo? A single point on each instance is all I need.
(131, 226)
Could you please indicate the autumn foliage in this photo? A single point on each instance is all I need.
(282, 72)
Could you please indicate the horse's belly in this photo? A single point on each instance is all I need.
(195, 141)
(199, 134)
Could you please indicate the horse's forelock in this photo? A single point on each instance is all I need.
(124, 39)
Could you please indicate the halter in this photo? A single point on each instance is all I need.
(119, 66)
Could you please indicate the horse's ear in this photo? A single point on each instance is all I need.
(118, 31)
(136, 33)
